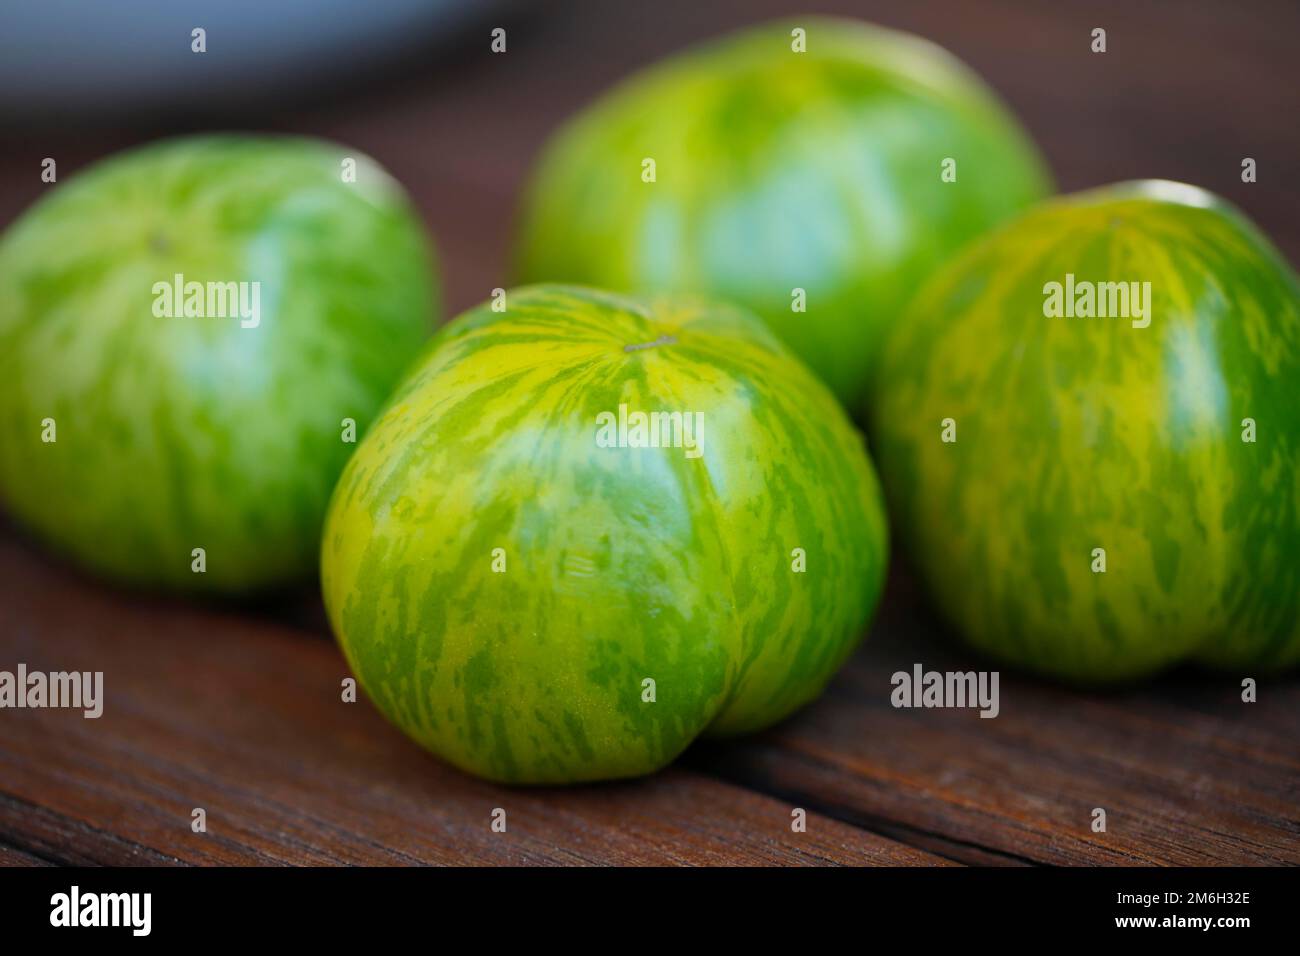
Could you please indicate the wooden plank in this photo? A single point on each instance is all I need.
(1187, 773)
(9, 856)
(243, 718)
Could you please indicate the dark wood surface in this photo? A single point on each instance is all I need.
(236, 709)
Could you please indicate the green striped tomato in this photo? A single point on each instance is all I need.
(807, 186)
(538, 595)
(222, 431)
(1123, 491)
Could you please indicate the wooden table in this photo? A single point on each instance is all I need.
(236, 708)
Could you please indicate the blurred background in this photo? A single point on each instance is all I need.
(237, 706)
(1186, 89)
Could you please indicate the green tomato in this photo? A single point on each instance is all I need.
(1100, 480)
(137, 425)
(539, 586)
(817, 188)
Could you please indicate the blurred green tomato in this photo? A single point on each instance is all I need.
(815, 171)
(185, 332)
(1089, 432)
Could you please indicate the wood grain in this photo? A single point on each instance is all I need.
(1187, 772)
(244, 718)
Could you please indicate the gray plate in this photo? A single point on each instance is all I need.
(115, 55)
